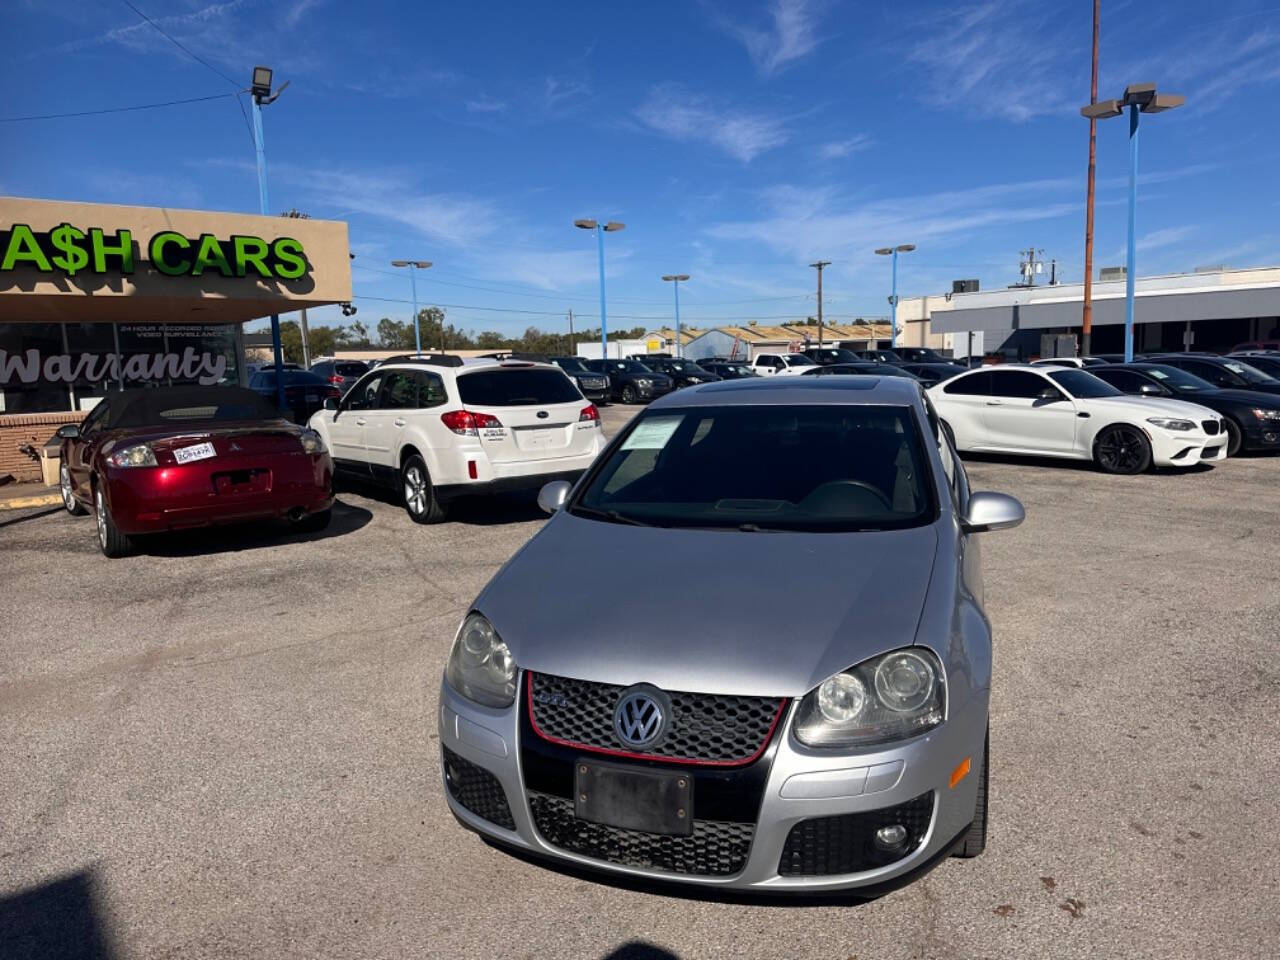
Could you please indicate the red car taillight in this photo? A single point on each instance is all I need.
(589, 412)
(335, 379)
(467, 424)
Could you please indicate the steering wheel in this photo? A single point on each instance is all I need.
(847, 493)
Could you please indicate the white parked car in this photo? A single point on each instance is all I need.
(784, 364)
(438, 427)
(1066, 412)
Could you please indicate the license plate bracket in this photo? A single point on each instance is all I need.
(653, 801)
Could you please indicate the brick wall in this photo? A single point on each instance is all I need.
(17, 429)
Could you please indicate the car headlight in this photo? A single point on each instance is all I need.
(644, 382)
(480, 665)
(312, 442)
(890, 697)
(138, 455)
(1171, 424)
(1262, 413)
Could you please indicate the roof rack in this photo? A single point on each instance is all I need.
(435, 359)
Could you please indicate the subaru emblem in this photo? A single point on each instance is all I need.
(641, 717)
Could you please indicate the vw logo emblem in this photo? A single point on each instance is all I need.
(641, 717)
(543, 414)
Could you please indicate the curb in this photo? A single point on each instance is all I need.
(24, 503)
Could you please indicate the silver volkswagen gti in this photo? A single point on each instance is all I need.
(748, 650)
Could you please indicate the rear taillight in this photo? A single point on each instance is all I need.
(335, 379)
(467, 424)
(334, 393)
(589, 412)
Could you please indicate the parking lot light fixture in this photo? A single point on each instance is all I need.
(601, 229)
(675, 279)
(414, 266)
(1138, 98)
(893, 299)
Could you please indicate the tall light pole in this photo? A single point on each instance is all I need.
(1139, 98)
(261, 95)
(1086, 318)
(675, 279)
(818, 266)
(893, 300)
(601, 229)
(414, 266)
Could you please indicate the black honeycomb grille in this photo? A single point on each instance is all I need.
(477, 789)
(824, 846)
(1210, 427)
(715, 848)
(706, 728)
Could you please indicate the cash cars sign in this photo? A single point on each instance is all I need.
(70, 251)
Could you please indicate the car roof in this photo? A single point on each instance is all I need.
(837, 389)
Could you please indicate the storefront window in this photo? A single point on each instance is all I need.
(24, 348)
(96, 376)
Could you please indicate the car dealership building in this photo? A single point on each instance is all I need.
(96, 297)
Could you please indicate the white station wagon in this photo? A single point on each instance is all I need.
(437, 427)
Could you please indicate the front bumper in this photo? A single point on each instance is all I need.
(1173, 448)
(1262, 435)
(744, 816)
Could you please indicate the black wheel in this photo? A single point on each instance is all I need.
(418, 493)
(314, 522)
(975, 841)
(1122, 448)
(1235, 438)
(68, 497)
(628, 393)
(111, 540)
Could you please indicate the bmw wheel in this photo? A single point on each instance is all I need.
(68, 496)
(110, 539)
(419, 493)
(1122, 448)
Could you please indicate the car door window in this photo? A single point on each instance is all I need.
(974, 385)
(1017, 384)
(1124, 380)
(364, 395)
(1218, 376)
(399, 391)
(93, 422)
(431, 391)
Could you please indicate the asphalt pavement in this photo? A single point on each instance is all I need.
(225, 746)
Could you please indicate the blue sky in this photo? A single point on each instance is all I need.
(738, 141)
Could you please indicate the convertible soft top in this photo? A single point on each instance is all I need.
(186, 405)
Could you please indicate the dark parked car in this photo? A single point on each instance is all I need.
(931, 373)
(1253, 419)
(1268, 363)
(685, 373)
(879, 356)
(1228, 373)
(304, 392)
(829, 355)
(921, 355)
(146, 461)
(860, 368)
(343, 374)
(631, 381)
(594, 385)
(728, 369)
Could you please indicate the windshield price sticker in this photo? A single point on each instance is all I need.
(199, 451)
(653, 433)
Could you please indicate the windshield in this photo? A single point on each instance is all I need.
(815, 468)
(1179, 380)
(351, 369)
(1083, 385)
(1251, 374)
(516, 388)
(574, 364)
(627, 366)
(683, 366)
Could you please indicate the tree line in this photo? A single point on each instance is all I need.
(436, 335)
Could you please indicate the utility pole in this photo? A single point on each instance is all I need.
(573, 351)
(818, 266)
(1086, 324)
(1029, 267)
(296, 214)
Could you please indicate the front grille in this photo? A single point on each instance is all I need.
(715, 848)
(595, 384)
(825, 846)
(1210, 427)
(706, 728)
(477, 789)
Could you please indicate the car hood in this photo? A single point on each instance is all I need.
(1156, 406)
(1251, 397)
(753, 614)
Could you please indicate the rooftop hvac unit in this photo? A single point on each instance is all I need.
(964, 286)
(1111, 273)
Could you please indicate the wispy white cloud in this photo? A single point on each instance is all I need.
(1166, 237)
(485, 104)
(791, 34)
(837, 149)
(558, 92)
(674, 112)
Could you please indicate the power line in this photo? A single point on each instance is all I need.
(140, 106)
(179, 45)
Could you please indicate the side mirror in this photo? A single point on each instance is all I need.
(68, 431)
(330, 403)
(992, 511)
(552, 496)
(1150, 390)
(1049, 395)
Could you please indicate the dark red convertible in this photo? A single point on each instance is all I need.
(147, 461)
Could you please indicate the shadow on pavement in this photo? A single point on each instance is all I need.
(639, 950)
(485, 511)
(249, 536)
(38, 512)
(59, 920)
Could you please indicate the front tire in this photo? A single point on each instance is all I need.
(1122, 449)
(1235, 437)
(975, 841)
(628, 393)
(110, 539)
(69, 500)
(418, 492)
